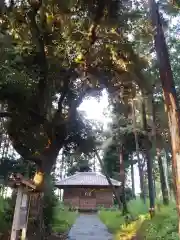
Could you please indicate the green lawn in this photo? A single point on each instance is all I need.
(162, 226)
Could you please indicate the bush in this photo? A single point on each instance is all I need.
(163, 226)
(6, 212)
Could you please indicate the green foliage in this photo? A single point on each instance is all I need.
(112, 219)
(63, 219)
(82, 165)
(163, 226)
(10, 165)
(6, 214)
(136, 207)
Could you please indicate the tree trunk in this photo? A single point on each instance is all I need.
(149, 160)
(115, 192)
(61, 171)
(132, 179)
(170, 97)
(140, 168)
(166, 171)
(164, 187)
(41, 225)
(122, 180)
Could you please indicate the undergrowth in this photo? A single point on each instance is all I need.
(163, 226)
(6, 212)
(137, 223)
(63, 219)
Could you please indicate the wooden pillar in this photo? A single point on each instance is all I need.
(19, 226)
(15, 225)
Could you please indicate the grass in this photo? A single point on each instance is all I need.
(63, 219)
(162, 226)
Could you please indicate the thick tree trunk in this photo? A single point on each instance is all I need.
(122, 180)
(115, 192)
(170, 97)
(149, 161)
(140, 167)
(40, 226)
(164, 187)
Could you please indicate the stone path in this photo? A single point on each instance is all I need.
(89, 227)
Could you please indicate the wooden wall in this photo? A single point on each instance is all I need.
(88, 198)
(104, 198)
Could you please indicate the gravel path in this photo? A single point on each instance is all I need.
(89, 227)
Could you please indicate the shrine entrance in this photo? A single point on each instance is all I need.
(87, 199)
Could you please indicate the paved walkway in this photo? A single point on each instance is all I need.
(89, 227)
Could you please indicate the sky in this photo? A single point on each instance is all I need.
(94, 110)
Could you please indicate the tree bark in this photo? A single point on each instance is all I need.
(149, 160)
(141, 178)
(170, 97)
(132, 178)
(122, 180)
(164, 187)
(39, 227)
(166, 172)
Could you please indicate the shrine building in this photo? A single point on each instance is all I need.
(87, 191)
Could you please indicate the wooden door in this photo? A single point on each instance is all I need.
(87, 200)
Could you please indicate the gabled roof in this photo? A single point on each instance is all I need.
(86, 179)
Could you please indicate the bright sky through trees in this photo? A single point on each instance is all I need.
(98, 110)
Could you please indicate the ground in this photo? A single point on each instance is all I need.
(89, 227)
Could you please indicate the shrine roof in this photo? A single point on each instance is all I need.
(86, 179)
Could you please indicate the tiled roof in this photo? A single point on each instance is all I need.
(86, 179)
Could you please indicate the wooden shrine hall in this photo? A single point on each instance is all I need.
(87, 191)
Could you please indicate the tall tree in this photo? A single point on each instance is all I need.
(148, 157)
(170, 96)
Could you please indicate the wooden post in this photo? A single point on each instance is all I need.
(21, 212)
(24, 215)
(15, 225)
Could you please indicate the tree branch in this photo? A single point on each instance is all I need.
(63, 95)
(38, 41)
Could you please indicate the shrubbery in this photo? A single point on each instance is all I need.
(6, 214)
(137, 223)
